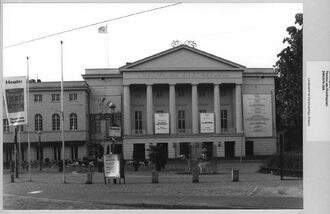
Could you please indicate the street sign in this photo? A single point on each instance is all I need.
(114, 131)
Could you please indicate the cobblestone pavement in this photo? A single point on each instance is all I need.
(254, 190)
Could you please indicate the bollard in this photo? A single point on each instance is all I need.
(12, 178)
(235, 175)
(89, 178)
(154, 176)
(195, 175)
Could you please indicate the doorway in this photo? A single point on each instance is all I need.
(249, 148)
(208, 146)
(164, 148)
(139, 152)
(230, 149)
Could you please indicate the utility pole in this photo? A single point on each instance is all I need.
(15, 150)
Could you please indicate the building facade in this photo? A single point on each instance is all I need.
(44, 119)
(183, 98)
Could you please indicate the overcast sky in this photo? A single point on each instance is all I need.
(248, 34)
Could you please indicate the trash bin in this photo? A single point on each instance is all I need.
(235, 175)
(154, 176)
(60, 166)
(89, 178)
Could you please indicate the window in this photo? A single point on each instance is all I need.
(38, 98)
(5, 125)
(181, 92)
(56, 97)
(222, 93)
(201, 93)
(224, 119)
(21, 128)
(181, 121)
(56, 122)
(73, 121)
(38, 122)
(73, 97)
(138, 122)
(159, 92)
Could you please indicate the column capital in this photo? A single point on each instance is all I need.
(149, 84)
(217, 83)
(194, 83)
(172, 84)
(127, 85)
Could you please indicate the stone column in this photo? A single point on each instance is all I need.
(194, 108)
(172, 109)
(217, 113)
(238, 106)
(127, 111)
(149, 110)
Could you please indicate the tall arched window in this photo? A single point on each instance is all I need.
(73, 121)
(56, 122)
(38, 122)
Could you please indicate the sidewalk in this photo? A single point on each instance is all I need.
(254, 190)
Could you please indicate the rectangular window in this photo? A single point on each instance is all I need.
(73, 97)
(224, 119)
(159, 92)
(181, 92)
(56, 97)
(138, 122)
(222, 93)
(181, 121)
(21, 128)
(202, 93)
(38, 98)
(5, 125)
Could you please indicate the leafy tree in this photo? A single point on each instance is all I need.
(288, 86)
(157, 155)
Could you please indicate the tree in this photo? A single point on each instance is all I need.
(157, 155)
(288, 85)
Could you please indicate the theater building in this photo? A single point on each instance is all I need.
(182, 98)
(44, 116)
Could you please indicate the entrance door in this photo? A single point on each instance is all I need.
(139, 152)
(165, 148)
(208, 146)
(230, 149)
(185, 149)
(249, 148)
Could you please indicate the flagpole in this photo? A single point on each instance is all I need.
(107, 46)
(28, 126)
(62, 112)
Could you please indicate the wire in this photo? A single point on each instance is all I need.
(89, 25)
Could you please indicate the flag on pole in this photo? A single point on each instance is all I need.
(103, 29)
(15, 100)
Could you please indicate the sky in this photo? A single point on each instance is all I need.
(249, 34)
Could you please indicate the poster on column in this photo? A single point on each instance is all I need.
(207, 122)
(257, 112)
(162, 123)
(14, 90)
(111, 166)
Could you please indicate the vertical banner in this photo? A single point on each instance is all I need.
(257, 113)
(15, 100)
(207, 122)
(162, 123)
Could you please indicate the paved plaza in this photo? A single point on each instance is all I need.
(175, 190)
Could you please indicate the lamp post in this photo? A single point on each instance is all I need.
(242, 135)
(112, 106)
(40, 157)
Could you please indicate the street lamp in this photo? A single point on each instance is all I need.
(40, 157)
(242, 135)
(112, 106)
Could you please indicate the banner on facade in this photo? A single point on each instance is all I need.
(111, 166)
(114, 131)
(257, 112)
(162, 123)
(207, 122)
(14, 91)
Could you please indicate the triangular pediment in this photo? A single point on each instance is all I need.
(181, 58)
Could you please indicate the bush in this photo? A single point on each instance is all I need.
(292, 163)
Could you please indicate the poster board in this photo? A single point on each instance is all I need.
(111, 166)
(162, 123)
(257, 113)
(207, 122)
(114, 131)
